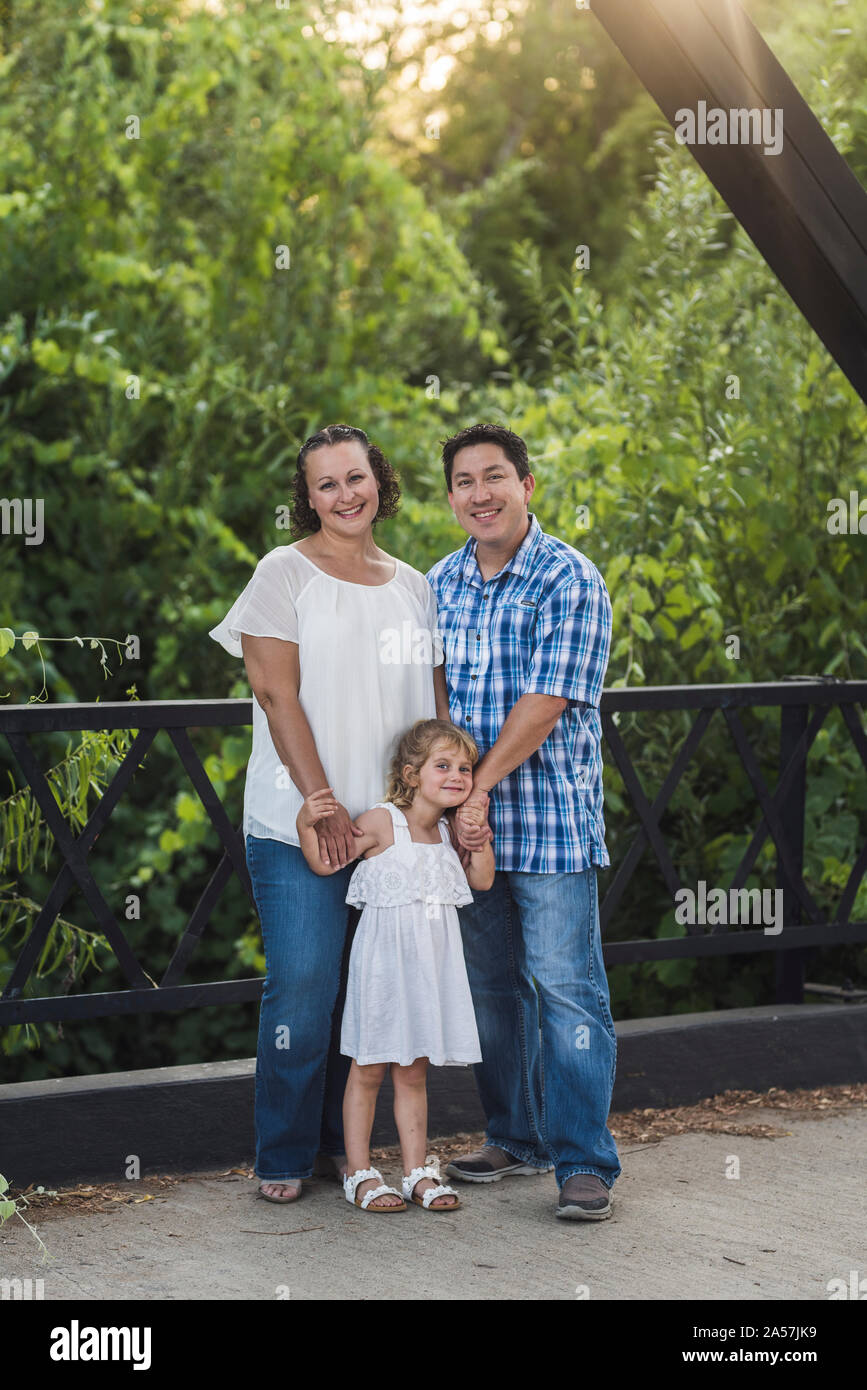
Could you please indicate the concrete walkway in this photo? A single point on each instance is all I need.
(793, 1220)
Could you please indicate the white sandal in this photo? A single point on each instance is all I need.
(351, 1181)
(432, 1171)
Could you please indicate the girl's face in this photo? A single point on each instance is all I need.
(446, 776)
(342, 487)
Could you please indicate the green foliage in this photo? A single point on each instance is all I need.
(546, 141)
(80, 777)
(14, 1206)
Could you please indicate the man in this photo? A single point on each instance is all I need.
(526, 621)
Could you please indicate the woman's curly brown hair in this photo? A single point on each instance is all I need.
(415, 747)
(304, 518)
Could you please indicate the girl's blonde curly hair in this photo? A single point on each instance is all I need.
(414, 748)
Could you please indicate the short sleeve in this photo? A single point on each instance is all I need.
(432, 621)
(572, 643)
(265, 608)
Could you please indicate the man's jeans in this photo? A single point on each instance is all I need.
(300, 1072)
(534, 958)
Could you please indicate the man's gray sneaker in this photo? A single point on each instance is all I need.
(584, 1197)
(489, 1164)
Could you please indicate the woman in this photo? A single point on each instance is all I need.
(317, 626)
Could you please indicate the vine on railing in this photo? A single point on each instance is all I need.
(86, 769)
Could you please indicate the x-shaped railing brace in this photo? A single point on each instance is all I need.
(859, 868)
(233, 855)
(76, 849)
(651, 814)
(75, 852)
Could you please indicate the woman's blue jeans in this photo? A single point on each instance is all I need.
(300, 1071)
(534, 959)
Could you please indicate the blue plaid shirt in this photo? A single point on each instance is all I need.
(542, 624)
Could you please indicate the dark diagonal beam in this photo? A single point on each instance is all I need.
(803, 207)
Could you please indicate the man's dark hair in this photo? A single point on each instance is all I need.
(304, 518)
(511, 444)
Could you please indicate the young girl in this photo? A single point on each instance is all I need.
(408, 999)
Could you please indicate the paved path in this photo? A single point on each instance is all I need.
(793, 1220)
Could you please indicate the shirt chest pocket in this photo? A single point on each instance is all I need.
(513, 628)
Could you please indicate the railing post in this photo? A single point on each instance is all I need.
(789, 965)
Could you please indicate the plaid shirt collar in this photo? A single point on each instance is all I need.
(521, 562)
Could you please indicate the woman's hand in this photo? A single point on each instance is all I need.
(335, 828)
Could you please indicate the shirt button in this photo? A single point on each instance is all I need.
(473, 678)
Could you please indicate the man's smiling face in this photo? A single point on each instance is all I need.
(487, 496)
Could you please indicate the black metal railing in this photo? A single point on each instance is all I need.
(782, 818)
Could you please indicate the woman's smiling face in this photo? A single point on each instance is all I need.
(342, 487)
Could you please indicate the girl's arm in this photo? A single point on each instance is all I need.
(317, 807)
(481, 868)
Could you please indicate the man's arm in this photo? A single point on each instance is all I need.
(568, 666)
(527, 725)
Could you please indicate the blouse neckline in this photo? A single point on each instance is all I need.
(351, 582)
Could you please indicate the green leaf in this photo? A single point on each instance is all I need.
(7, 640)
(694, 633)
(674, 973)
(188, 808)
(50, 357)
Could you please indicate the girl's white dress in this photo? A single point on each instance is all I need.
(408, 994)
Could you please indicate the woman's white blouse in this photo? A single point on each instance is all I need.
(366, 655)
